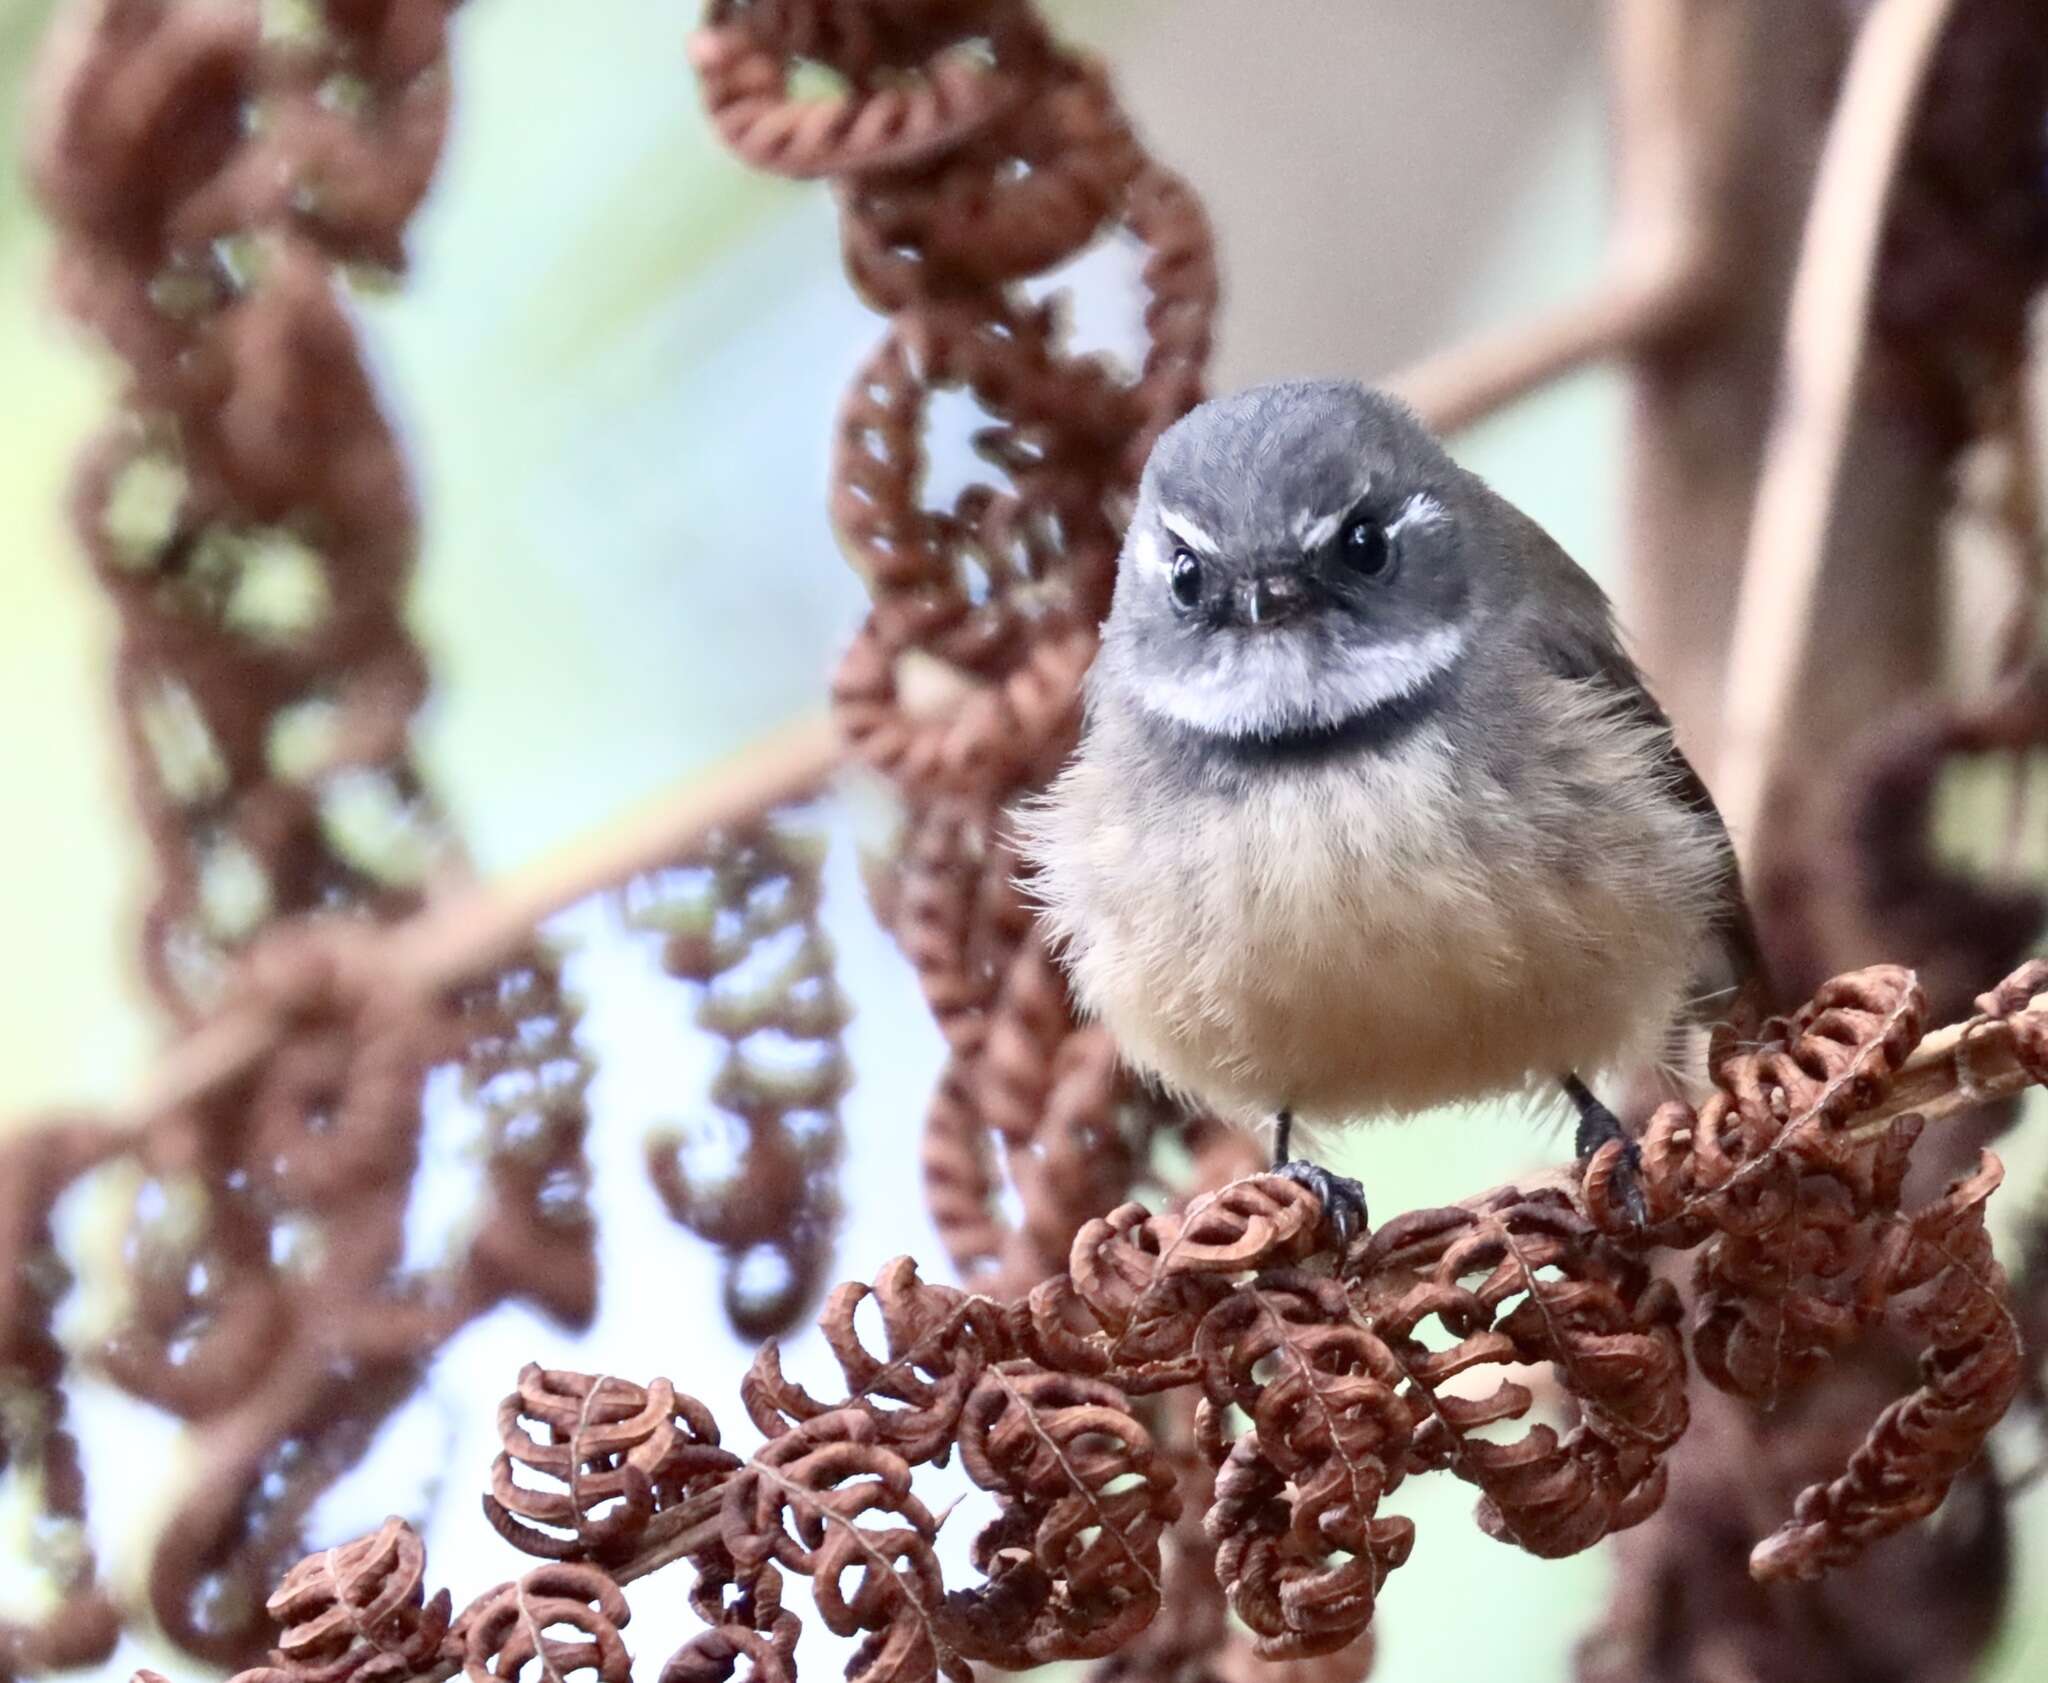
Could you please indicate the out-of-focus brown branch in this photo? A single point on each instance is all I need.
(1462, 385)
(1826, 329)
(457, 939)
(447, 942)
(1659, 272)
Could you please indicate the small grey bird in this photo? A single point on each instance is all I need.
(1371, 811)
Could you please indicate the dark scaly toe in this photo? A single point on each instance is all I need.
(1343, 1199)
(1598, 1125)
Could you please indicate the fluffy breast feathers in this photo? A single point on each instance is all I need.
(1383, 931)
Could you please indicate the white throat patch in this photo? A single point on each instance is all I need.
(1260, 684)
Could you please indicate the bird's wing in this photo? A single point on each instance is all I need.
(1584, 646)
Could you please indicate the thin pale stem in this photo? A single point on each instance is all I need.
(1827, 325)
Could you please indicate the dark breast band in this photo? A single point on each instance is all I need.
(1374, 731)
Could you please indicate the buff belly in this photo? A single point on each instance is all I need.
(1341, 948)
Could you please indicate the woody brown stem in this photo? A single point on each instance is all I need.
(1956, 1070)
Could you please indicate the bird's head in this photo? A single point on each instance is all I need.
(1298, 559)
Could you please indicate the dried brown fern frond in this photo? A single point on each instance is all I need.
(973, 154)
(219, 177)
(1941, 1256)
(1297, 1388)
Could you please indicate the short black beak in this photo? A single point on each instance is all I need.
(1271, 598)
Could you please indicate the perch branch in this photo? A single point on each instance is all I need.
(1826, 326)
(462, 937)
(1953, 1070)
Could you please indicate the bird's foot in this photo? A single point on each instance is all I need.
(1342, 1198)
(1597, 1126)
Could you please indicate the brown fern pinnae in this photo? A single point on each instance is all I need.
(1217, 1355)
(746, 54)
(1519, 1282)
(1186, 1643)
(522, 1066)
(360, 1613)
(1021, 199)
(1055, 1448)
(507, 1636)
(1331, 1433)
(974, 154)
(612, 1454)
(799, 1503)
(752, 1626)
(1939, 1261)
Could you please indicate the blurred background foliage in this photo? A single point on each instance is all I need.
(615, 362)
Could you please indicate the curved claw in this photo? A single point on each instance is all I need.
(1342, 1198)
(1628, 1180)
(1598, 1125)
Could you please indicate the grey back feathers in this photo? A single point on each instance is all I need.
(1371, 810)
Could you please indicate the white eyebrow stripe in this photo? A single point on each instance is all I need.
(1312, 531)
(1187, 531)
(1419, 510)
(1313, 534)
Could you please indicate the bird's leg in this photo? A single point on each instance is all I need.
(1598, 1125)
(1342, 1198)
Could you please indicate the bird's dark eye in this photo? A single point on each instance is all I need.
(1363, 545)
(1185, 578)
